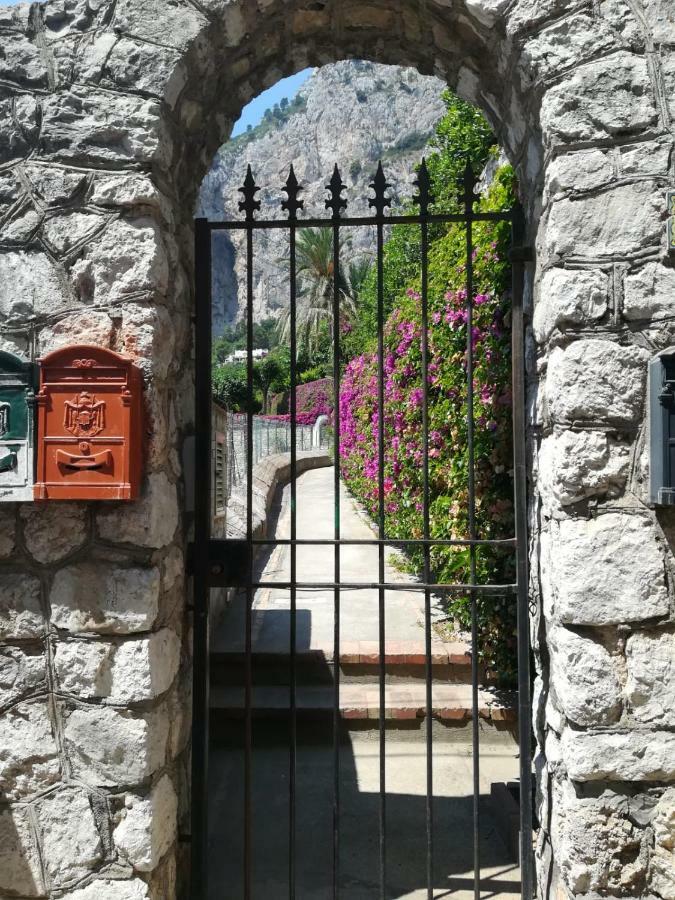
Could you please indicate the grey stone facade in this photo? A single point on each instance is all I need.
(110, 113)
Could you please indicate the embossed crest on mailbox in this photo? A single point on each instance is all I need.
(16, 428)
(89, 410)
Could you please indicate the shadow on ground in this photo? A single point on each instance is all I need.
(359, 815)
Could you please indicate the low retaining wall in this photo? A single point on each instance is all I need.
(268, 475)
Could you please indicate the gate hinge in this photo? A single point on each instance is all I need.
(521, 254)
(228, 562)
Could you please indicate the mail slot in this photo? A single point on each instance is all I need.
(89, 410)
(16, 428)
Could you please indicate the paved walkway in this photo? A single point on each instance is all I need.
(404, 616)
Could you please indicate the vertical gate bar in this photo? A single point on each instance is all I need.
(469, 183)
(424, 246)
(381, 534)
(520, 490)
(202, 494)
(336, 561)
(248, 699)
(293, 573)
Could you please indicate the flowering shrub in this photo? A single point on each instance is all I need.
(447, 419)
(313, 399)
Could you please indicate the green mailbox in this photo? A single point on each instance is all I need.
(17, 436)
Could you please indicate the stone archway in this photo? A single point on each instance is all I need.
(110, 113)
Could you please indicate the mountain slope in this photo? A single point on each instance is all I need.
(353, 113)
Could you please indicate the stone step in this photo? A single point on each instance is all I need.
(358, 660)
(361, 702)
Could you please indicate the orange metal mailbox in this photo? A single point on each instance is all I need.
(89, 410)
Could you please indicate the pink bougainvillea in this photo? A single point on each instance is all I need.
(448, 412)
(312, 400)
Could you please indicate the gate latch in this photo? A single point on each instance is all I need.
(229, 562)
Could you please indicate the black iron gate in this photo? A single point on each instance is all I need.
(230, 563)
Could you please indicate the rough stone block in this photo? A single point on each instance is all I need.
(149, 522)
(128, 258)
(668, 64)
(20, 607)
(148, 827)
(609, 96)
(165, 22)
(71, 845)
(21, 227)
(127, 190)
(604, 571)
(662, 871)
(574, 465)
(528, 13)
(104, 599)
(55, 186)
(20, 871)
(22, 671)
(582, 170)
(620, 221)
(63, 231)
(619, 756)
(84, 327)
(109, 747)
(97, 127)
(28, 755)
(649, 292)
(583, 678)
(650, 686)
(596, 381)
(148, 335)
(645, 158)
(569, 297)
(486, 11)
(139, 66)
(29, 284)
(7, 531)
(596, 846)
(565, 44)
(129, 671)
(53, 531)
(105, 889)
(19, 120)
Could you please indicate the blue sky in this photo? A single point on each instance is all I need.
(253, 112)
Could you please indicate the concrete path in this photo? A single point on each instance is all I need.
(404, 617)
(359, 833)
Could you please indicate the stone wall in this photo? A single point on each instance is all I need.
(110, 113)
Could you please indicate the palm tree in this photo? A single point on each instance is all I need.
(359, 270)
(316, 287)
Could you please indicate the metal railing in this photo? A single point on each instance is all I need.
(270, 437)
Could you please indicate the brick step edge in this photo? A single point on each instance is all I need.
(366, 655)
(401, 713)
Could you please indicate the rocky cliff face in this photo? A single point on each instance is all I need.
(353, 113)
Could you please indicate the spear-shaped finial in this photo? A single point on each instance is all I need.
(380, 185)
(249, 204)
(292, 204)
(423, 197)
(468, 195)
(336, 201)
